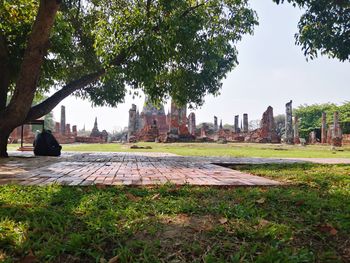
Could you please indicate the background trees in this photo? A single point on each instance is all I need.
(310, 116)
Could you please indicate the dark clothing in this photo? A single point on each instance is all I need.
(45, 144)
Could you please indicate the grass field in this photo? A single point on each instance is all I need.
(305, 221)
(214, 149)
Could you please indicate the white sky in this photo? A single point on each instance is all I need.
(272, 71)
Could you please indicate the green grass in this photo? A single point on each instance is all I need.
(306, 221)
(214, 149)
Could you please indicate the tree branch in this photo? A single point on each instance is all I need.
(47, 105)
(192, 8)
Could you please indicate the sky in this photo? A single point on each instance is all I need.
(272, 70)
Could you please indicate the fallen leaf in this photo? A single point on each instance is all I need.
(223, 220)
(156, 196)
(132, 197)
(100, 186)
(113, 259)
(261, 200)
(300, 203)
(263, 223)
(327, 228)
(30, 258)
(333, 231)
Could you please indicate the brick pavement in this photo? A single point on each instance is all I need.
(122, 169)
(134, 169)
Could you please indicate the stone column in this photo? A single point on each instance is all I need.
(63, 120)
(74, 130)
(237, 124)
(192, 123)
(296, 130)
(132, 121)
(289, 124)
(337, 133)
(57, 127)
(312, 137)
(68, 128)
(215, 123)
(324, 128)
(203, 130)
(178, 119)
(330, 133)
(245, 122)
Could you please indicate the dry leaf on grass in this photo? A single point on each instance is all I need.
(300, 203)
(261, 200)
(263, 223)
(132, 197)
(223, 220)
(100, 186)
(30, 258)
(113, 259)
(156, 196)
(327, 228)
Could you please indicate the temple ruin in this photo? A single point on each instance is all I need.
(63, 132)
(267, 131)
(152, 124)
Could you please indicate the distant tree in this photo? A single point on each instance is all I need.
(280, 121)
(228, 126)
(324, 27)
(254, 124)
(310, 116)
(95, 49)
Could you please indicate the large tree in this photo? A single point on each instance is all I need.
(99, 49)
(324, 27)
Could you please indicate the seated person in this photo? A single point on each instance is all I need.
(45, 144)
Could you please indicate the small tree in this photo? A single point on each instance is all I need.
(280, 121)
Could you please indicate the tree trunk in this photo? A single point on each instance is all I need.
(4, 136)
(5, 72)
(16, 111)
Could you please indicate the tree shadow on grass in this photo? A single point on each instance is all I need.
(169, 223)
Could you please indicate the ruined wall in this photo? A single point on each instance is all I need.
(267, 131)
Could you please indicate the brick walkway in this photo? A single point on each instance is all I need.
(122, 169)
(134, 169)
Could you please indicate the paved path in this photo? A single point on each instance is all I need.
(132, 169)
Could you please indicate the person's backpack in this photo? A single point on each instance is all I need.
(45, 144)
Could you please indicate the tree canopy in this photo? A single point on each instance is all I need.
(324, 27)
(177, 48)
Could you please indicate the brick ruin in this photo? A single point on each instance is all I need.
(63, 132)
(267, 131)
(152, 124)
(330, 134)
